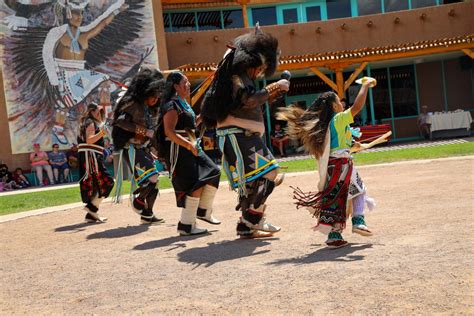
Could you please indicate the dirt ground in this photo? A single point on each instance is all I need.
(420, 260)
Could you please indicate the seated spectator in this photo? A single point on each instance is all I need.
(20, 179)
(39, 162)
(6, 179)
(58, 161)
(108, 151)
(424, 126)
(279, 139)
(72, 157)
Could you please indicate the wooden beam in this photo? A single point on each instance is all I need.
(324, 78)
(357, 60)
(293, 64)
(202, 89)
(245, 16)
(340, 83)
(354, 75)
(469, 53)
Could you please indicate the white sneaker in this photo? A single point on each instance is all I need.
(265, 226)
(206, 215)
(194, 231)
(210, 219)
(90, 218)
(362, 230)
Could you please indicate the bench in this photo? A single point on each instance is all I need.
(371, 132)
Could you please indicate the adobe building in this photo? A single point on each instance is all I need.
(420, 52)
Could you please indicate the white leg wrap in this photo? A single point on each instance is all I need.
(207, 197)
(205, 205)
(96, 201)
(188, 214)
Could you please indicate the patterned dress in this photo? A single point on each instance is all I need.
(95, 179)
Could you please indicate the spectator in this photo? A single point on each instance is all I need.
(424, 125)
(58, 161)
(279, 139)
(39, 162)
(108, 150)
(6, 179)
(72, 157)
(20, 179)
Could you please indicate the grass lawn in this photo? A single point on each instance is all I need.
(372, 158)
(35, 200)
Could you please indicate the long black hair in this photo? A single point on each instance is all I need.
(218, 101)
(88, 115)
(311, 125)
(147, 83)
(173, 78)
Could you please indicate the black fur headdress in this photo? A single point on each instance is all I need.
(254, 49)
(249, 51)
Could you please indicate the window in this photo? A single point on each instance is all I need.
(265, 16)
(381, 95)
(402, 80)
(395, 5)
(307, 85)
(338, 8)
(367, 7)
(290, 16)
(167, 22)
(209, 20)
(313, 13)
(233, 19)
(183, 22)
(422, 3)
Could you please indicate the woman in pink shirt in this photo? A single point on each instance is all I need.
(39, 162)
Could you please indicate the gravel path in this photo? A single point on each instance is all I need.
(419, 261)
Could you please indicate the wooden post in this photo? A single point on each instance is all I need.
(469, 53)
(245, 16)
(324, 78)
(354, 75)
(202, 89)
(339, 83)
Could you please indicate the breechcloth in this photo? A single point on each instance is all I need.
(246, 161)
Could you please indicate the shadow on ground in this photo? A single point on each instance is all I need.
(74, 227)
(223, 251)
(120, 232)
(175, 241)
(343, 254)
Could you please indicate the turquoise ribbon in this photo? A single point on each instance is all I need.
(239, 168)
(75, 48)
(356, 132)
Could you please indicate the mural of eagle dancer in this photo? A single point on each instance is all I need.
(57, 53)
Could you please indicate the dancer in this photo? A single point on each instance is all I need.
(325, 132)
(195, 177)
(96, 183)
(134, 125)
(234, 104)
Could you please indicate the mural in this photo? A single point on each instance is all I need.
(59, 55)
